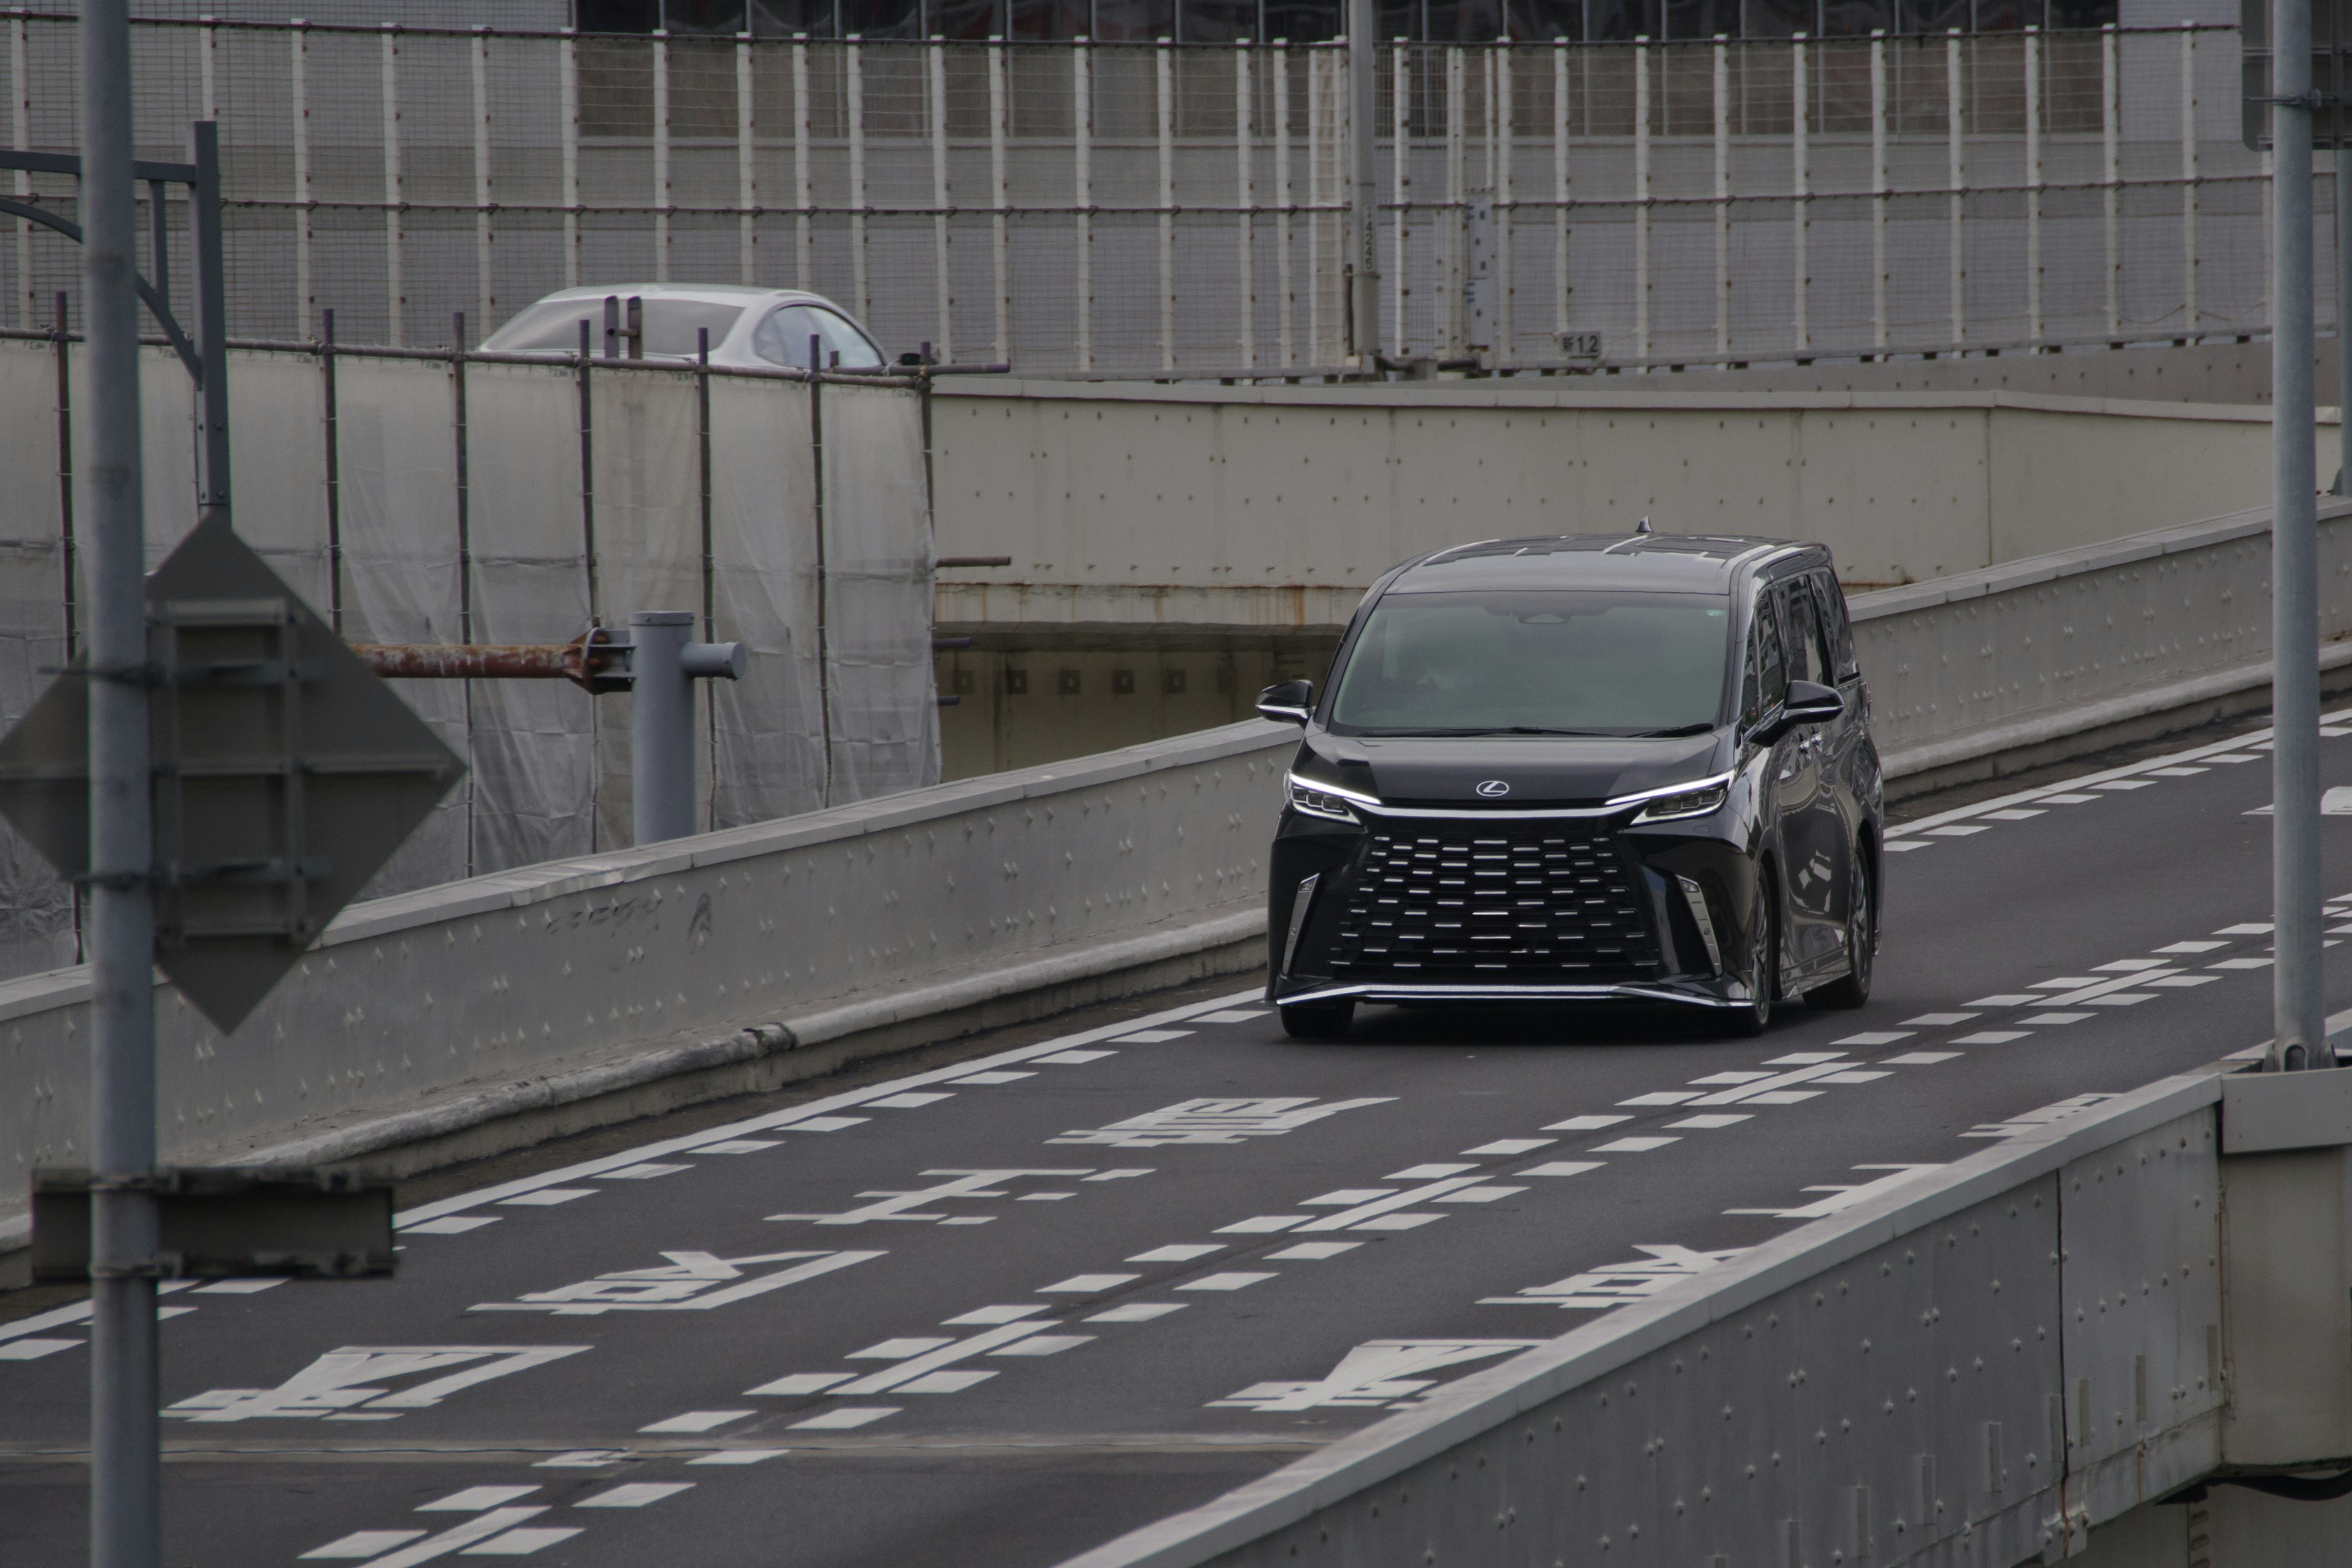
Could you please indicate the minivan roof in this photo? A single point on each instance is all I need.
(1655, 562)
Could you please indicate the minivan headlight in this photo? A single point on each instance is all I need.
(1696, 801)
(1314, 802)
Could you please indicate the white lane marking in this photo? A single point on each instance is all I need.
(1632, 1145)
(548, 1197)
(2240, 963)
(1037, 1345)
(1715, 1079)
(523, 1542)
(1614, 1284)
(827, 1124)
(1584, 1123)
(1432, 1173)
(1803, 1058)
(1261, 1225)
(2033, 1120)
(2132, 965)
(1312, 1251)
(689, 1282)
(1762, 1090)
(1349, 1197)
(913, 1205)
(1556, 1168)
(2246, 928)
(2192, 947)
(740, 1456)
(1512, 1146)
(1222, 1121)
(2232, 757)
(2125, 783)
(635, 1494)
(1841, 1198)
(812, 1116)
(914, 1100)
(848, 1416)
(1783, 1096)
(1362, 1214)
(644, 1172)
(1144, 1311)
(1958, 830)
(238, 1287)
(1708, 1123)
(2007, 999)
(1919, 1058)
(939, 1360)
(799, 1383)
(479, 1528)
(1399, 1221)
(896, 1350)
(1661, 1097)
(2068, 799)
(35, 1349)
(584, 1459)
(1088, 1284)
(1874, 1038)
(1853, 1077)
(2067, 983)
(362, 1544)
(1376, 1373)
(1938, 1020)
(475, 1499)
(1904, 845)
(2177, 773)
(1152, 1037)
(1481, 1194)
(2106, 987)
(2185, 982)
(1044, 1197)
(1178, 1252)
(691, 1421)
(2125, 998)
(2055, 1018)
(991, 1078)
(1992, 1037)
(947, 1381)
(1075, 1059)
(347, 1378)
(2013, 814)
(1231, 1016)
(451, 1224)
(1118, 1175)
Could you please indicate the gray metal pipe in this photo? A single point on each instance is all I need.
(2300, 1031)
(125, 1492)
(1363, 202)
(2343, 324)
(663, 664)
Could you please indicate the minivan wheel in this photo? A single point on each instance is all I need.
(1751, 1020)
(1861, 944)
(1318, 1020)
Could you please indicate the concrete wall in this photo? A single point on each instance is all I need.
(1132, 509)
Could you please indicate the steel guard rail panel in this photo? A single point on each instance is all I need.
(1880, 1387)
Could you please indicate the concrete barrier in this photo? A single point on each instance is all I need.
(1978, 1366)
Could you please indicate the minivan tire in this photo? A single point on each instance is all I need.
(1861, 943)
(1753, 1018)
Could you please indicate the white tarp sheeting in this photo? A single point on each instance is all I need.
(513, 547)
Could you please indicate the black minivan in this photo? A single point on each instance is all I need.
(1609, 767)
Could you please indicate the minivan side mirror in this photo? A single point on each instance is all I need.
(1808, 703)
(1290, 701)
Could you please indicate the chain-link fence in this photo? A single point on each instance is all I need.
(1177, 210)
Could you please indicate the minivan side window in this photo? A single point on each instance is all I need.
(1809, 659)
(1835, 628)
(1771, 668)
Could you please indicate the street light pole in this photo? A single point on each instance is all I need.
(2300, 1031)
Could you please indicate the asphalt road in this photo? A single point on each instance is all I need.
(991, 1312)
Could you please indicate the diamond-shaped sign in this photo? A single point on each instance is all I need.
(285, 772)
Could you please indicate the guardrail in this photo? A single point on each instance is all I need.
(1976, 1367)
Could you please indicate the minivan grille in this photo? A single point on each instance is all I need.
(1469, 902)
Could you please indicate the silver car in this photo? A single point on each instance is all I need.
(751, 328)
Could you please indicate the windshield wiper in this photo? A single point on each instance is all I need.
(1677, 729)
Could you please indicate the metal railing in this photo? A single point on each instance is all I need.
(1177, 210)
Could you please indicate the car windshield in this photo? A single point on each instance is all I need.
(671, 325)
(782, 338)
(1540, 662)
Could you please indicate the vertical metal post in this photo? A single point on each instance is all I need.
(209, 289)
(2034, 187)
(2189, 190)
(395, 210)
(1956, 171)
(460, 424)
(2343, 483)
(1878, 188)
(702, 464)
(935, 60)
(661, 158)
(483, 294)
(68, 547)
(1506, 327)
(805, 273)
(1400, 183)
(1457, 200)
(1318, 108)
(2110, 173)
(207, 72)
(747, 173)
(661, 725)
(1722, 196)
(1245, 205)
(1801, 220)
(1362, 241)
(1082, 134)
(1286, 293)
(824, 581)
(125, 1459)
(1642, 196)
(20, 122)
(298, 37)
(858, 288)
(567, 113)
(2300, 1029)
(1000, 198)
(1166, 61)
(1560, 180)
(334, 432)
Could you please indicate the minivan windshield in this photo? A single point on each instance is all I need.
(1537, 661)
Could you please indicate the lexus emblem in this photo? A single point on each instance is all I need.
(1494, 789)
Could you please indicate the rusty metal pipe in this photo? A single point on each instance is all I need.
(577, 661)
